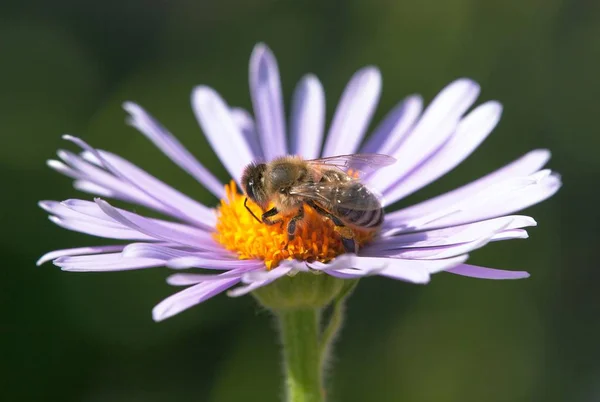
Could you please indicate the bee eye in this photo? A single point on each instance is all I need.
(250, 190)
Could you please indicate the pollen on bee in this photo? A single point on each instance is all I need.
(353, 173)
(316, 238)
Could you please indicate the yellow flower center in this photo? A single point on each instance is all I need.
(317, 238)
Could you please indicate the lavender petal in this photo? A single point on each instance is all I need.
(450, 236)
(391, 132)
(153, 229)
(225, 137)
(265, 88)
(245, 123)
(105, 263)
(192, 279)
(88, 217)
(501, 199)
(213, 262)
(78, 251)
(99, 229)
(180, 205)
(269, 277)
(163, 252)
(265, 275)
(107, 182)
(308, 118)
(438, 252)
(189, 297)
(510, 235)
(353, 113)
(526, 165)
(135, 177)
(435, 127)
(406, 270)
(486, 273)
(94, 189)
(171, 147)
(416, 271)
(470, 133)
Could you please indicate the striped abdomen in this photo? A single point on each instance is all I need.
(357, 206)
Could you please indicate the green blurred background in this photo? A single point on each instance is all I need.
(66, 67)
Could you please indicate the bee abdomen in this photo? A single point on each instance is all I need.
(371, 218)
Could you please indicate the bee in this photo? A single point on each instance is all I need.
(325, 185)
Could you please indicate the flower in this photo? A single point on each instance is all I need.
(414, 242)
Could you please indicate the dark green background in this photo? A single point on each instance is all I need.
(66, 66)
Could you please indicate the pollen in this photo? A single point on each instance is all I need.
(316, 239)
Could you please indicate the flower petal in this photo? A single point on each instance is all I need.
(192, 279)
(470, 133)
(182, 206)
(176, 203)
(265, 275)
(435, 127)
(62, 168)
(189, 297)
(486, 273)
(526, 165)
(500, 199)
(451, 235)
(106, 181)
(212, 262)
(105, 263)
(154, 251)
(171, 147)
(245, 123)
(510, 235)
(265, 88)
(269, 277)
(78, 251)
(99, 229)
(155, 230)
(390, 133)
(88, 217)
(353, 113)
(308, 118)
(406, 270)
(220, 130)
(439, 252)
(416, 271)
(93, 188)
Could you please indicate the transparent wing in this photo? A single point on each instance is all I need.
(335, 195)
(363, 163)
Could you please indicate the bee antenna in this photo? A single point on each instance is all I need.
(249, 210)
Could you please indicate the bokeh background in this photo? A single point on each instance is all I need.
(66, 67)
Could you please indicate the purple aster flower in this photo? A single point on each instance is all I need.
(235, 252)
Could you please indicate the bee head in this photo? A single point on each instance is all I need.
(253, 184)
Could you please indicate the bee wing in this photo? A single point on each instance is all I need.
(363, 163)
(349, 195)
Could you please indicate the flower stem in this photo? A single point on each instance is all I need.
(302, 357)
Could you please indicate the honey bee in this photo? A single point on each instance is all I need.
(324, 184)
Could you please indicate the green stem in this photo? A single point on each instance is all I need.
(302, 358)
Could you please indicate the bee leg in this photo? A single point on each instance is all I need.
(349, 244)
(266, 217)
(346, 234)
(291, 228)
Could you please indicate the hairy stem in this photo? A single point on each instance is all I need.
(302, 356)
